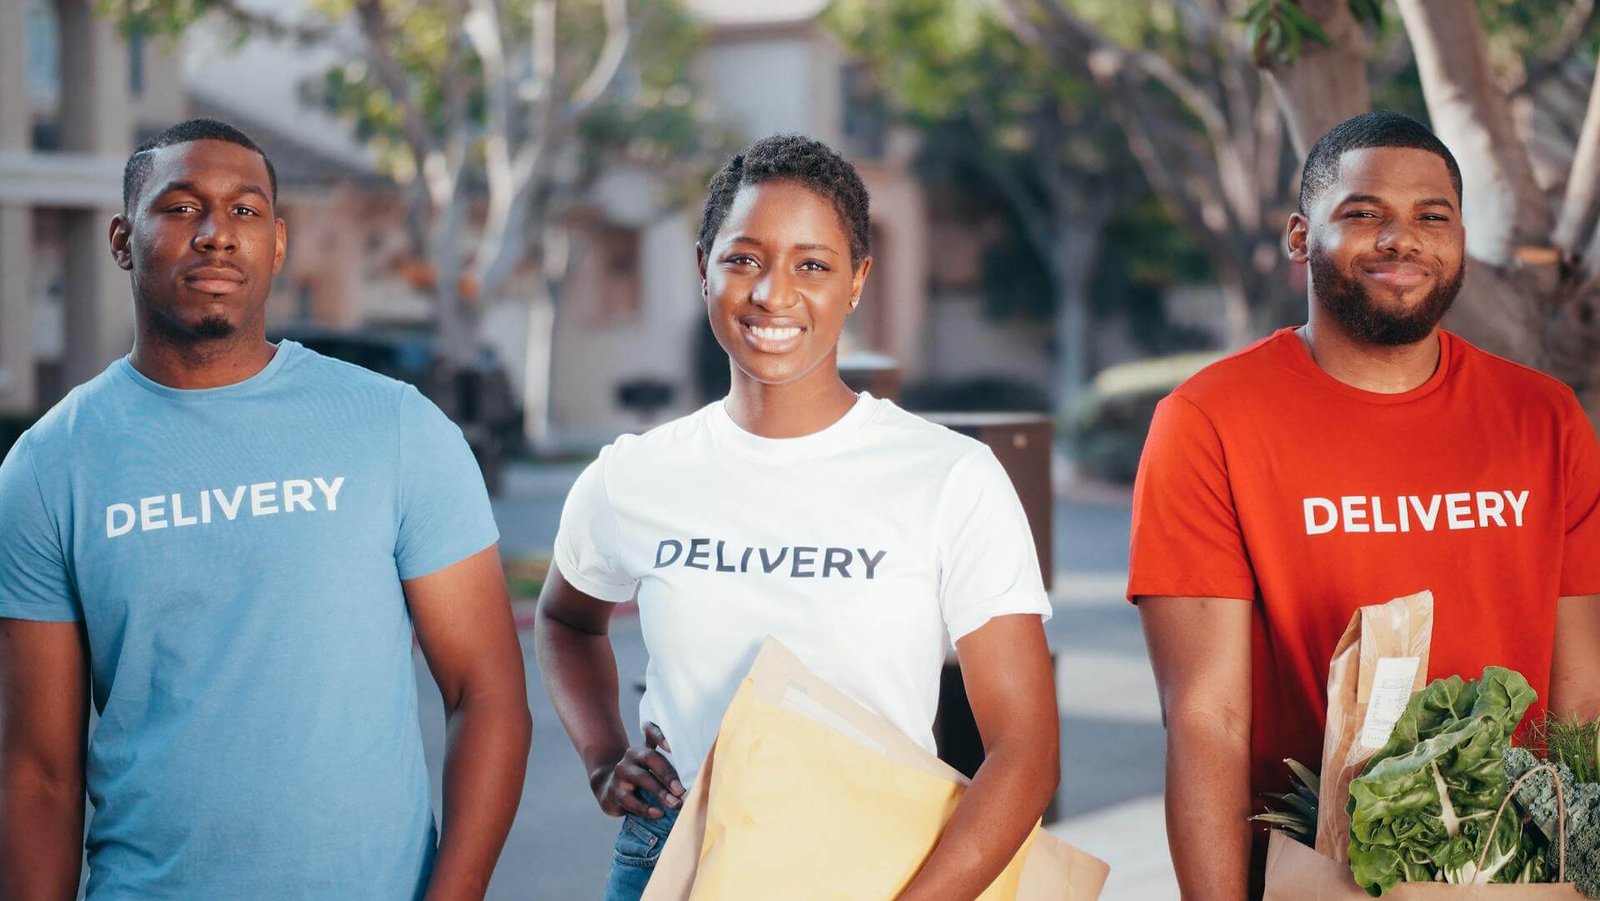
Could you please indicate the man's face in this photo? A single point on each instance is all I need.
(1385, 245)
(202, 241)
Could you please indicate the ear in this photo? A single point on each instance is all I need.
(122, 241)
(1295, 238)
(700, 263)
(281, 251)
(859, 281)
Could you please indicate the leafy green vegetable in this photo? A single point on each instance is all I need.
(1574, 742)
(1296, 815)
(1538, 797)
(1422, 808)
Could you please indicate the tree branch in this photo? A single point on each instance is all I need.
(1573, 28)
(1471, 115)
(1580, 207)
(1326, 84)
(619, 35)
(379, 36)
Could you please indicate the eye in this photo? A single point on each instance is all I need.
(1435, 217)
(740, 259)
(182, 208)
(814, 266)
(244, 210)
(1361, 214)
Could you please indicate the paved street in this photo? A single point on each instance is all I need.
(1110, 733)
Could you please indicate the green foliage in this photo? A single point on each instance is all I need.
(1296, 815)
(1582, 799)
(1422, 808)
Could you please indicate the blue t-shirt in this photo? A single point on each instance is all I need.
(236, 555)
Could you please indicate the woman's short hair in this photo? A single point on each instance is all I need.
(798, 159)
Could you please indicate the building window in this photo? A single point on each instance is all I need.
(136, 48)
(617, 270)
(43, 38)
(865, 113)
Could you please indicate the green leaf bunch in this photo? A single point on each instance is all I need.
(1538, 797)
(1422, 808)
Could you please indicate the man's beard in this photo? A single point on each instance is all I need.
(1351, 304)
(212, 328)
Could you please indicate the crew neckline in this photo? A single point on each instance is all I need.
(829, 437)
(286, 349)
(1300, 356)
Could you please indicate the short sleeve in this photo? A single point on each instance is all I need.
(1580, 557)
(444, 512)
(34, 581)
(988, 565)
(1186, 538)
(588, 545)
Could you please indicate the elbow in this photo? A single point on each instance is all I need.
(1216, 723)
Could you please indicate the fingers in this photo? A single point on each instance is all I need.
(655, 738)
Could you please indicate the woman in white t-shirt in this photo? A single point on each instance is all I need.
(864, 538)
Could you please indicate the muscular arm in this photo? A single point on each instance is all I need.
(1575, 661)
(1200, 651)
(44, 717)
(1006, 667)
(579, 670)
(466, 632)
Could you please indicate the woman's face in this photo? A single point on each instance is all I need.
(778, 282)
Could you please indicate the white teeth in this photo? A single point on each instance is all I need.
(773, 334)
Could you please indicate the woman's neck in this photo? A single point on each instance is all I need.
(803, 407)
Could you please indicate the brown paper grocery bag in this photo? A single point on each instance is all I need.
(1049, 868)
(1381, 659)
(1297, 873)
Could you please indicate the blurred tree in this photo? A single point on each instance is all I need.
(1483, 69)
(1175, 77)
(506, 106)
(1036, 135)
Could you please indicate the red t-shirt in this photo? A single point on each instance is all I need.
(1264, 478)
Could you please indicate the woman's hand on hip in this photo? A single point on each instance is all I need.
(647, 769)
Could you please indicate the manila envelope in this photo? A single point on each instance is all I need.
(1297, 873)
(860, 806)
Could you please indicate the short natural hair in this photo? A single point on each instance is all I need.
(138, 167)
(798, 159)
(1379, 128)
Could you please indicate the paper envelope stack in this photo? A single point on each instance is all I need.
(808, 795)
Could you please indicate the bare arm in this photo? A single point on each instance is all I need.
(1200, 651)
(1006, 667)
(466, 632)
(1575, 661)
(44, 719)
(579, 670)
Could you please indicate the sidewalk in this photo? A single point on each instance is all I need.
(1132, 837)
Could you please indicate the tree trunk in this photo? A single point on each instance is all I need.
(1072, 259)
(1326, 84)
(538, 363)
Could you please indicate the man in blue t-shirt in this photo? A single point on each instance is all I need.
(226, 544)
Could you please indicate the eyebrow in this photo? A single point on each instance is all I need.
(757, 242)
(191, 187)
(1375, 200)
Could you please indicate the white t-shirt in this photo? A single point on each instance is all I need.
(865, 548)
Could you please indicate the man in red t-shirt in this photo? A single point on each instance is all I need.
(1363, 456)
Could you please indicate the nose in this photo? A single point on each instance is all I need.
(215, 232)
(1399, 237)
(773, 291)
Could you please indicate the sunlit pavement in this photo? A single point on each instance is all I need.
(1111, 734)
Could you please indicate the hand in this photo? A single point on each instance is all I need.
(640, 769)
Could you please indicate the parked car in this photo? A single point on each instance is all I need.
(477, 397)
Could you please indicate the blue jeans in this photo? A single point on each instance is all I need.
(638, 846)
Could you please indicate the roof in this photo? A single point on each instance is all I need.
(718, 13)
(297, 164)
